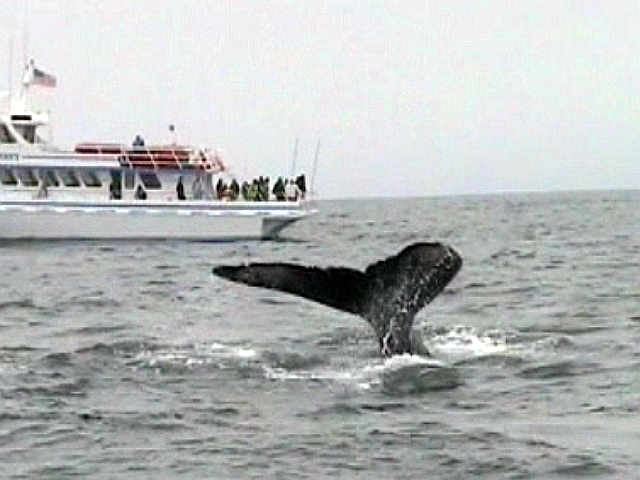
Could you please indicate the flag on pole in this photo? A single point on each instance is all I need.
(43, 79)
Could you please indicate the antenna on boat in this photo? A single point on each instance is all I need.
(315, 168)
(26, 79)
(25, 34)
(10, 79)
(292, 170)
(9, 91)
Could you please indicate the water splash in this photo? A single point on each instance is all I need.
(464, 343)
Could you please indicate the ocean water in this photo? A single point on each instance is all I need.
(130, 360)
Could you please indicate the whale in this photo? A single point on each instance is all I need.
(387, 294)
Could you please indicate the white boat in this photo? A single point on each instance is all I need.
(111, 191)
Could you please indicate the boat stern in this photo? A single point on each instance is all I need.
(273, 225)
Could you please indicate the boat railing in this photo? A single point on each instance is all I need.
(156, 157)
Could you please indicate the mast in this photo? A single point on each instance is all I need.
(25, 34)
(292, 170)
(315, 168)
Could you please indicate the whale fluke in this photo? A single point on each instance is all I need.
(388, 294)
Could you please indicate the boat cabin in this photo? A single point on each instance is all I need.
(30, 168)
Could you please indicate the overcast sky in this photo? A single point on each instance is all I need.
(408, 99)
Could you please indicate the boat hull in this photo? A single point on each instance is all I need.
(197, 221)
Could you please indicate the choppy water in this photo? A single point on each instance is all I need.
(129, 360)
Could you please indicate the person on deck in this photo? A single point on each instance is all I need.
(140, 193)
(253, 193)
(234, 189)
(180, 190)
(42, 190)
(301, 182)
(115, 193)
(221, 189)
(138, 141)
(291, 190)
(278, 189)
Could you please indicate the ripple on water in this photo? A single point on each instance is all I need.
(53, 388)
(23, 304)
(559, 369)
(583, 465)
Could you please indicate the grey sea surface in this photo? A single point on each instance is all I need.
(130, 360)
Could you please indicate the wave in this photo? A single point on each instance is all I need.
(583, 465)
(64, 388)
(24, 303)
(558, 369)
(87, 303)
(565, 329)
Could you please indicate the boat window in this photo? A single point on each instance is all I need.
(150, 180)
(69, 178)
(5, 136)
(27, 177)
(129, 179)
(7, 177)
(49, 178)
(90, 179)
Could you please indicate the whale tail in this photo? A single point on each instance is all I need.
(388, 294)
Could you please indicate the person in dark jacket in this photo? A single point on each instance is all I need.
(301, 182)
(180, 190)
(140, 193)
(278, 189)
